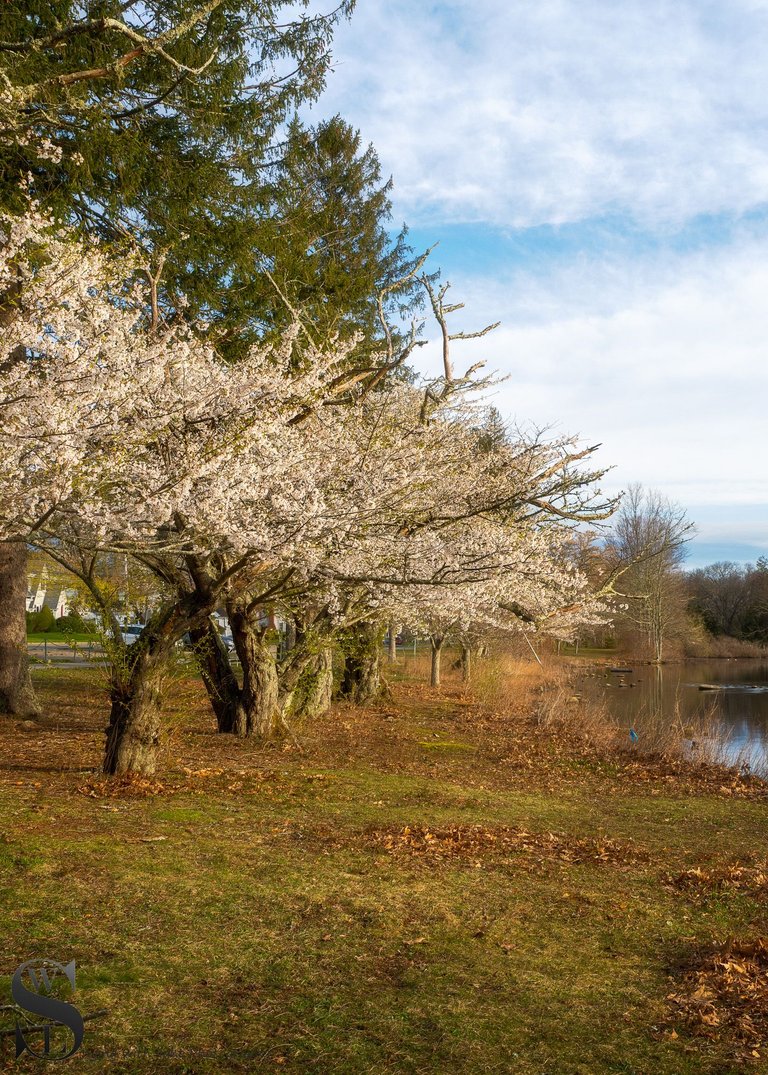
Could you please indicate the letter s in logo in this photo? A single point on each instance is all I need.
(40, 1002)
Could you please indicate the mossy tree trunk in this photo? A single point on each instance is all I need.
(314, 689)
(134, 730)
(361, 679)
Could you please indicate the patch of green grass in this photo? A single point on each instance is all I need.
(184, 814)
(241, 937)
(63, 636)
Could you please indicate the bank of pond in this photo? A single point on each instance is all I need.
(714, 709)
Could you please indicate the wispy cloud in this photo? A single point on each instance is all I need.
(519, 113)
(662, 360)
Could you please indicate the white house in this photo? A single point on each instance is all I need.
(58, 600)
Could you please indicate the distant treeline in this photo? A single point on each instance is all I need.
(731, 599)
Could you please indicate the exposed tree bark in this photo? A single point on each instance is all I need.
(134, 730)
(294, 673)
(219, 678)
(273, 692)
(133, 733)
(361, 680)
(17, 698)
(437, 650)
(314, 690)
(258, 713)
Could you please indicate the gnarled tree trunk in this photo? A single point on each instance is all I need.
(17, 697)
(260, 706)
(133, 733)
(218, 676)
(258, 713)
(138, 675)
(361, 680)
(314, 690)
(273, 692)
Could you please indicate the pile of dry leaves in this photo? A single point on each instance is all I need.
(475, 842)
(120, 787)
(723, 996)
(700, 881)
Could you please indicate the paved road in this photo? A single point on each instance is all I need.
(79, 655)
(80, 652)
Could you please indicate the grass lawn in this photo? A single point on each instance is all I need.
(427, 886)
(63, 636)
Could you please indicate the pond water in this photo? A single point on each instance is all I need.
(729, 721)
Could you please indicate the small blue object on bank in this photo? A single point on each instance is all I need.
(633, 735)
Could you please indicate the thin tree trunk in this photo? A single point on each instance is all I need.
(657, 642)
(17, 698)
(437, 649)
(392, 644)
(466, 662)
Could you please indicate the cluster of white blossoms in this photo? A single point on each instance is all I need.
(116, 434)
(146, 439)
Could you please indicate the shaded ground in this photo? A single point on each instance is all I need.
(429, 885)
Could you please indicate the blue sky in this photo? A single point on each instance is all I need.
(596, 177)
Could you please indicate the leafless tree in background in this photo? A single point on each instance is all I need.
(649, 535)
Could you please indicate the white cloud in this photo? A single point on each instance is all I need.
(520, 113)
(664, 363)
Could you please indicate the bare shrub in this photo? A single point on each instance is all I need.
(723, 646)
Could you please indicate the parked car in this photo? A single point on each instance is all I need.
(227, 639)
(131, 632)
